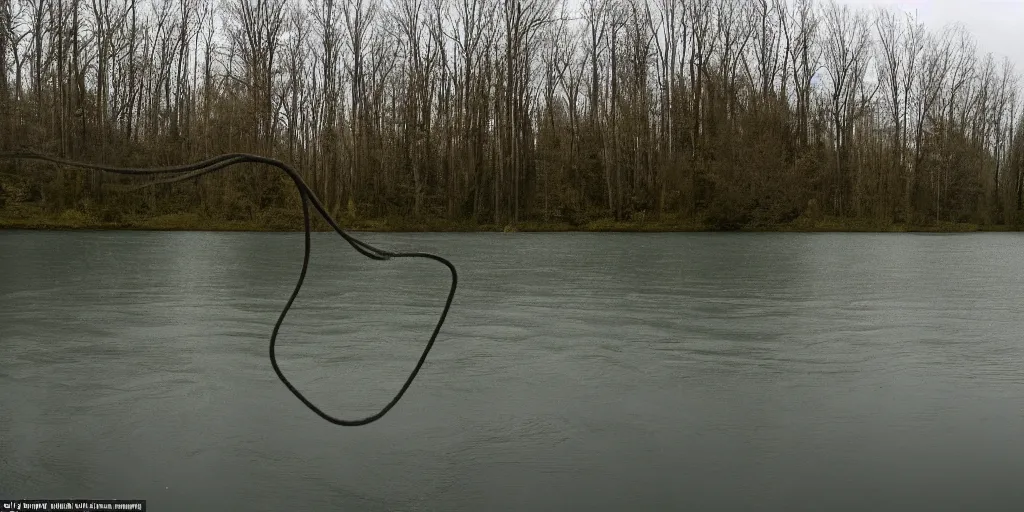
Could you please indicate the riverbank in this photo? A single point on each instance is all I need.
(287, 221)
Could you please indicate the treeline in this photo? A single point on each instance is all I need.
(724, 112)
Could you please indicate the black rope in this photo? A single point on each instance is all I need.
(186, 172)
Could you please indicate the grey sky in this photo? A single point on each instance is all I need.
(997, 25)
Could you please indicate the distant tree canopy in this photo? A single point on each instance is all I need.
(731, 112)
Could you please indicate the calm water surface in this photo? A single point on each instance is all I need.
(598, 372)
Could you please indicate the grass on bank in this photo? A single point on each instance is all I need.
(32, 217)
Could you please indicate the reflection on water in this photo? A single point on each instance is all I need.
(576, 371)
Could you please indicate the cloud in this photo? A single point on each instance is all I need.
(994, 24)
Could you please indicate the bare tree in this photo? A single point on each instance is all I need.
(257, 36)
(846, 47)
(359, 16)
(803, 35)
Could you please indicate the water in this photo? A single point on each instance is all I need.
(576, 372)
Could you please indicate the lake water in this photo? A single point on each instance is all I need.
(597, 372)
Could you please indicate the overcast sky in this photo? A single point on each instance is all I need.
(997, 25)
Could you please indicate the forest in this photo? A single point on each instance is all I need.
(718, 114)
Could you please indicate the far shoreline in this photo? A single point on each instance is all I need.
(77, 221)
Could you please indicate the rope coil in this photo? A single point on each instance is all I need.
(195, 170)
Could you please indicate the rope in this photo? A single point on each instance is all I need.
(186, 172)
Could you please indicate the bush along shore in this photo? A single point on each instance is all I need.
(33, 218)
